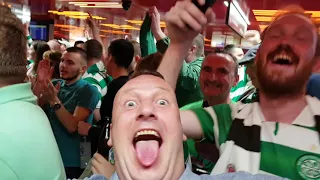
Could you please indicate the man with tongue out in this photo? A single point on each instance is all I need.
(146, 133)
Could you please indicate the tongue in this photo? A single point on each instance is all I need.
(147, 152)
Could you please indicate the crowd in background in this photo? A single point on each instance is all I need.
(69, 112)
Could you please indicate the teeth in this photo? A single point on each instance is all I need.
(147, 132)
(282, 56)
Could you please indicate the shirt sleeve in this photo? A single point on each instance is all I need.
(89, 97)
(189, 75)
(215, 122)
(163, 44)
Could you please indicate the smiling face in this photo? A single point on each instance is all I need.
(286, 56)
(217, 75)
(146, 130)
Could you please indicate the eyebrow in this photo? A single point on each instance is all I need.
(157, 87)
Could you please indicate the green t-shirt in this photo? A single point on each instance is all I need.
(79, 94)
(287, 150)
(188, 88)
(28, 147)
(96, 75)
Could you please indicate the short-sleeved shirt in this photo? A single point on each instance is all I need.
(96, 75)
(28, 149)
(313, 87)
(78, 94)
(188, 87)
(282, 147)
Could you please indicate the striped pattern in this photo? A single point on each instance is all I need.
(254, 145)
(96, 76)
(242, 86)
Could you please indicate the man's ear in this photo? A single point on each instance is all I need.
(137, 58)
(316, 67)
(110, 144)
(83, 69)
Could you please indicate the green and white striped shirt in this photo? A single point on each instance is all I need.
(97, 76)
(287, 150)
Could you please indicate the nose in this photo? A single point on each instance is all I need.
(146, 111)
(212, 77)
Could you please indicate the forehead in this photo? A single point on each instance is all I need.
(217, 60)
(145, 83)
(71, 56)
(292, 21)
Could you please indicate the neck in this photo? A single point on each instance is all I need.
(68, 82)
(282, 109)
(217, 100)
(191, 59)
(92, 61)
(119, 72)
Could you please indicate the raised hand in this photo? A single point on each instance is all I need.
(252, 36)
(185, 21)
(44, 71)
(155, 16)
(50, 92)
(91, 22)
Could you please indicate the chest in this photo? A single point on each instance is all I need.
(290, 151)
(70, 98)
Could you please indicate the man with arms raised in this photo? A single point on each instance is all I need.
(67, 102)
(277, 134)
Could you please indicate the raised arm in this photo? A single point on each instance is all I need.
(184, 22)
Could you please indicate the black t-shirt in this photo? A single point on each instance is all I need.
(107, 103)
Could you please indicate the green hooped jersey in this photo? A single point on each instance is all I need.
(287, 150)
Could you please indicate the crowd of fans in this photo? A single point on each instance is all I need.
(164, 110)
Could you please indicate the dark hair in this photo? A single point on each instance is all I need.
(80, 51)
(93, 48)
(40, 48)
(228, 48)
(150, 62)
(13, 56)
(136, 47)
(234, 59)
(122, 51)
(77, 43)
(146, 72)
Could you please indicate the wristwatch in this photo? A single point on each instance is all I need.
(56, 106)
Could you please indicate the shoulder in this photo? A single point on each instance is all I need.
(193, 105)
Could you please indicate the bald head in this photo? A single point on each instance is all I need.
(54, 45)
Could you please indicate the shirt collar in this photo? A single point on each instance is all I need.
(97, 67)
(17, 92)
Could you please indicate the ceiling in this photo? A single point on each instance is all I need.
(139, 7)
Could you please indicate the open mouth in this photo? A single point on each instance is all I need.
(283, 59)
(212, 84)
(147, 144)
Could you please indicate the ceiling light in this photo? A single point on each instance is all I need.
(226, 3)
(97, 3)
(106, 6)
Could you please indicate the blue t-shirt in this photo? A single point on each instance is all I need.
(313, 87)
(82, 94)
